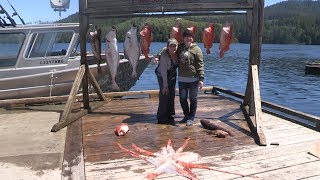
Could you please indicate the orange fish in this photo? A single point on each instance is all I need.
(122, 129)
(145, 40)
(208, 37)
(192, 29)
(176, 31)
(226, 36)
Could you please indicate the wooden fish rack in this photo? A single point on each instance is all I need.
(254, 11)
(113, 8)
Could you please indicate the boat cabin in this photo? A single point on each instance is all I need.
(43, 47)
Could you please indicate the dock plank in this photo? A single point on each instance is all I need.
(104, 160)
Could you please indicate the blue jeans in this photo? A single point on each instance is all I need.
(191, 89)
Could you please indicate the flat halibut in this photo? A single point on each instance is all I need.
(112, 56)
(132, 49)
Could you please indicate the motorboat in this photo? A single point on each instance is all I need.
(312, 68)
(43, 60)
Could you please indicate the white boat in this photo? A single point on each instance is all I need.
(42, 60)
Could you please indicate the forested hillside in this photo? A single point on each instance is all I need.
(288, 22)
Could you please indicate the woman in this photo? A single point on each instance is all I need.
(167, 75)
(191, 75)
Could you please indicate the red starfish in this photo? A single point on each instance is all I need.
(167, 160)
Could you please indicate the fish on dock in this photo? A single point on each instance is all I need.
(208, 37)
(176, 31)
(226, 36)
(211, 126)
(112, 56)
(121, 130)
(132, 49)
(145, 40)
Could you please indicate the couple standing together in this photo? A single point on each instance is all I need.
(187, 57)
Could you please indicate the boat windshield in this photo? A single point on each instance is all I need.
(49, 44)
(10, 45)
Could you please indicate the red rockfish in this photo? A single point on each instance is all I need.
(145, 40)
(122, 129)
(176, 31)
(192, 29)
(226, 36)
(208, 37)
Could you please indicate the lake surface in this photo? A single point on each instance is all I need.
(282, 77)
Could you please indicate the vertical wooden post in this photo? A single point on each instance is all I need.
(84, 25)
(252, 95)
(255, 49)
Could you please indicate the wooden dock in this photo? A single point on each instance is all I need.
(286, 156)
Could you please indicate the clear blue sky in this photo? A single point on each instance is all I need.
(32, 11)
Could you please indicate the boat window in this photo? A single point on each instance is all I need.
(10, 45)
(49, 44)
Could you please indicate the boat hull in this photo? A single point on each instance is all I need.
(312, 68)
(57, 83)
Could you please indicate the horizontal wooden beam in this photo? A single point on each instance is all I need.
(175, 14)
(112, 8)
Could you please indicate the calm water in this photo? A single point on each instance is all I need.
(282, 77)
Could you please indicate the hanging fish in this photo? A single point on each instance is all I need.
(176, 31)
(95, 42)
(226, 36)
(192, 28)
(145, 40)
(132, 49)
(208, 37)
(121, 130)
(112, 56)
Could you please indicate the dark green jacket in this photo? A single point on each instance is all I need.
(191, 61)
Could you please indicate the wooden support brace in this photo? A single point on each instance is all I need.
(257, 105)
(67, 117)
(96, 86)
(74, 90)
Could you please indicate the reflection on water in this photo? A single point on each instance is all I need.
(282, 77)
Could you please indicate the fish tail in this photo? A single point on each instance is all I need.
(147, 58)
(115, 86)
(134, 73)
(221, 54)
(208, 51)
